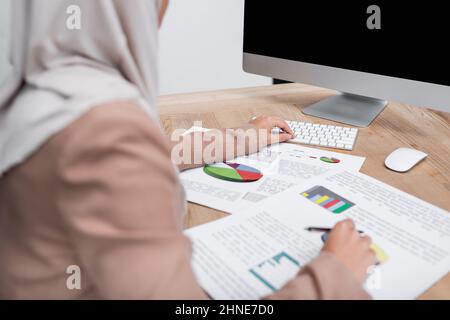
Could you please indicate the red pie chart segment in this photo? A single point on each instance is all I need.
(249, 176)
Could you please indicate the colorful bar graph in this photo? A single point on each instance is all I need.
(275, 272)
(327, 199)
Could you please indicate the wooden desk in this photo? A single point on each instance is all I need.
(399, 125)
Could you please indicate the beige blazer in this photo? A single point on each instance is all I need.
(103, 195)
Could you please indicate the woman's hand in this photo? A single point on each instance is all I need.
(269, 123)
(350, 248)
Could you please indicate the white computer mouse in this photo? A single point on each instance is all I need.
(404, 159)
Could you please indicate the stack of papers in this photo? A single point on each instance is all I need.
(283, 166)
(264, 244)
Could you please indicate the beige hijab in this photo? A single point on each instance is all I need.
(51, 74)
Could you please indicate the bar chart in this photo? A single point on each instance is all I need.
(327, 199)
(274, 273)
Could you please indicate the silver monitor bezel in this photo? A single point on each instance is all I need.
(413, 92)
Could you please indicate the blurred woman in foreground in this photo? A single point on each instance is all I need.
(86, 175)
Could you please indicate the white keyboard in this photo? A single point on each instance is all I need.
(324, 135)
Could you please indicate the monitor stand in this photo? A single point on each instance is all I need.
(348, 108)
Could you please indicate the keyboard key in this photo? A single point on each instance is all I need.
(345, 141)
(324, 135)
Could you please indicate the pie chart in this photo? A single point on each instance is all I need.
(330, 160)
(234, 172)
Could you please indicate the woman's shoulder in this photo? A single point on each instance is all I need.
(113, 125)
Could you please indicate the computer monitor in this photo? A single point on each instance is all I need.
(395, 50)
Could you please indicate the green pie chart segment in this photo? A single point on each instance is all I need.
(234, 172)
(329, 160)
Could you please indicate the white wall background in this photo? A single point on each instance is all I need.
(5, 20)
(201, 47)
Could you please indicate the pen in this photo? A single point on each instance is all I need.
(319, 229)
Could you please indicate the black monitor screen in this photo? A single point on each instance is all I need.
(403, 39)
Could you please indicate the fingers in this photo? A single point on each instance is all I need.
(373, 259)
(366, 240)
(280, 123)
(347, 224)
(281, 137)
(268, 123)
(351, 248)
(348, 230)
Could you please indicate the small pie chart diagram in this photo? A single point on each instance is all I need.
(329, 160)
(234, 172)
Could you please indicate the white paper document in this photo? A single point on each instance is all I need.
(251, 255)
(283, 166)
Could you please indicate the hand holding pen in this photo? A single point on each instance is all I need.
(351, 248)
